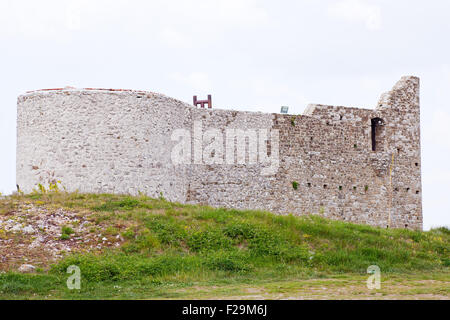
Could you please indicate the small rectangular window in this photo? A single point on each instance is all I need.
(375, 124)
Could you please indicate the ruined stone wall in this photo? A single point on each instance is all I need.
(122, 142)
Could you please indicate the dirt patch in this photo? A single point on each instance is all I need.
(32, 234)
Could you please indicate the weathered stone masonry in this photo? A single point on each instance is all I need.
(119, 141)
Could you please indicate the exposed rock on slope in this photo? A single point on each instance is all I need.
(32, 234)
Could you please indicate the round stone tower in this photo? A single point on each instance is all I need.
(100, 140)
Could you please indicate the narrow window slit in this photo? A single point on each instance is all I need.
(269, 148)
(376, 123)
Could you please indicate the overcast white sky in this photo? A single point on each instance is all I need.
(250, 55)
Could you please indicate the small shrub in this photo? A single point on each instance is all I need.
(446, 262)
(39, 190)
(66, 232)
(295, 185)
(53, 187)
(147, 241)
(226, 261)
(208, 240)
(240, 230)
(129, 234)
(166, 229)
(417, 237)
(64, 236)
(93, 268)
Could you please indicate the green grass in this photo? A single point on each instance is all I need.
(66, 232)
(170, 248)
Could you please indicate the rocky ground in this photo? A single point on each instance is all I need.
(31, 236)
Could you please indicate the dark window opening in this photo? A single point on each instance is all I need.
(269, 148)
(417, 192)
(417, 164)
(407, 189)
(325, 186)
(406, 226)
(309, 185)
(376, 123)
(340, 187)
(354, 188)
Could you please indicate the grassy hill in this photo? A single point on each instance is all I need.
(138, 247)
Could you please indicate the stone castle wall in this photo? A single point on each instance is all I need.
(121, 141)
